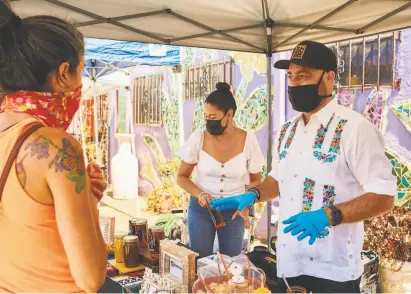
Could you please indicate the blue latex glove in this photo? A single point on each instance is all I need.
(306, 224)
(238, 202)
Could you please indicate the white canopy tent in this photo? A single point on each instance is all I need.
(260, 26)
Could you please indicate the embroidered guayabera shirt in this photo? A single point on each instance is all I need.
(336, 157)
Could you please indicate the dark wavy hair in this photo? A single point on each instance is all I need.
(32, 48)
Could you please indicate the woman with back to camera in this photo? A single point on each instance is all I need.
(49, 221)
(223, 156)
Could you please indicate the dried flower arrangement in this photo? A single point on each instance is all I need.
(169, 196)
(389, 235)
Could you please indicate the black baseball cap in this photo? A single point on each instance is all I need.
(312, 55)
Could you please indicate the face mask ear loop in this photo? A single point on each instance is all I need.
(318, 87)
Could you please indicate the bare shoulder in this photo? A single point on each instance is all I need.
(47, 142)
(50, 150)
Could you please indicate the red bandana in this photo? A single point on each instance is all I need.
(56, 110)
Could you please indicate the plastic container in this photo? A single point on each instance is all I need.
(229, 275)
(124, 173)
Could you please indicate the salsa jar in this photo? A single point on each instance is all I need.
(119, 247)
(139, 228)
(131, 226)
(131, 251)
(156, 234)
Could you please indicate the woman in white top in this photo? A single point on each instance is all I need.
(224, 156)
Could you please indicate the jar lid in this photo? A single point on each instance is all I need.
(157, 229)
(138, 221)
(120, 235)
(130, 239)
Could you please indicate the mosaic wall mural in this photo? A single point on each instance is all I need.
(346, 98)
(154, 146)
(198, 120)
(402, 109)
(252, 115)
(376, 110)
(249, 87)
(402, 171)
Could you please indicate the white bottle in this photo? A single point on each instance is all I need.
(124, 173)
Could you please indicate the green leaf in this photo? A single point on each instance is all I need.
(78, 178)
(81, 183)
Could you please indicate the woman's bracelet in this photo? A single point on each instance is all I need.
(257, 193)
(202, 193)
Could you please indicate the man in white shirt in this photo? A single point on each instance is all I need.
(330, 168)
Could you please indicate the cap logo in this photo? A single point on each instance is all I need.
(299, 52)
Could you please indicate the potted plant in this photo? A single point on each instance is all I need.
(389, 235)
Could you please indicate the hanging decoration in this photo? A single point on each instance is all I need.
(89, 132)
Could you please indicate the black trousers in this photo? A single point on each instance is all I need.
(317, 285)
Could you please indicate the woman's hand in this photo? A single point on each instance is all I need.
(98, 184)
(204, 198)
(245, 214)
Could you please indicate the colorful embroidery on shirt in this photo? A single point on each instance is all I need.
(282, 135)
(328, 195)
(335, 144)
(328, 200)
(321, 132)
(283, 154)
(308, 194)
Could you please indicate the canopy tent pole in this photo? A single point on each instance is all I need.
(96, 133)
(269, 53)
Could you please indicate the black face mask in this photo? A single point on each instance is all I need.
(306, 98)
(214, 127)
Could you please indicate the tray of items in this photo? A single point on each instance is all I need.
(230, 275)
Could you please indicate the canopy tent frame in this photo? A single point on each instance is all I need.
(225, 33)
(268, 23)
(106, 57)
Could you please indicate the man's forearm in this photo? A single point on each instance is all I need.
(365, 207)
(268, 189)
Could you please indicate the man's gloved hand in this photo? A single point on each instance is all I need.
(238, 202)
(306, 224)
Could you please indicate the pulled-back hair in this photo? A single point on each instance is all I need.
(222, 98)
(33, 48)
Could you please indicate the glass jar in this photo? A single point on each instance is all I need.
(156, 234)
(141, 231)
(131, 226)
(119, 247)
(131, 252)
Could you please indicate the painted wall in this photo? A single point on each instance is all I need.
(250, 88)
(153, 144)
